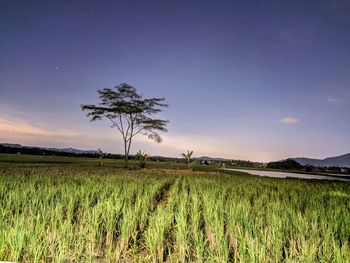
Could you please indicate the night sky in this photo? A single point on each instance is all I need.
(258, 80)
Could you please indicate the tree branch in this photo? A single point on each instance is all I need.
(114, 123)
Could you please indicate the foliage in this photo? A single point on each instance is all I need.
(101, 155)
(244, 163)
(95, 214)
(188, 157)
(129, 113)
(285, 165)
(142, 157)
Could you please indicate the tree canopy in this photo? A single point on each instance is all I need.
(285, 164)
(188, 157)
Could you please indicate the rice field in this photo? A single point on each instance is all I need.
(102, 214)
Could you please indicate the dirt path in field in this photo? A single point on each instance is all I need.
(160, 201)
(162, 197)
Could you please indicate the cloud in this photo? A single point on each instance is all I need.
(331, 99)
(22, 128)
(289, 120)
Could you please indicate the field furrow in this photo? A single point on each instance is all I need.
(148, 216)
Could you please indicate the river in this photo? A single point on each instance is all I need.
(293, 175)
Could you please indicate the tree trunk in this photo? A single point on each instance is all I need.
(126, 155)
(129, 147)
(127, 144)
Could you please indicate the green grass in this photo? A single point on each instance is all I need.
(30, 161)
(75, 211)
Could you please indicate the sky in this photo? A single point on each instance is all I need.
(258, 80)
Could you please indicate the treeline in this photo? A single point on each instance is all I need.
(52, 152)
(48, 152)
(288, 164)
(247, 164)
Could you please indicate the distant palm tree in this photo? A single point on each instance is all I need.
(101, 155)
(188, 156)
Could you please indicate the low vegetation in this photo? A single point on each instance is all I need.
(288, 164)
(188, 157)
(73, 213)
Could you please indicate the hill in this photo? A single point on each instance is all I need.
(338, 161)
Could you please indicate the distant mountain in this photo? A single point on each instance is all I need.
(64, 150)
(13, 145)
(339, 161)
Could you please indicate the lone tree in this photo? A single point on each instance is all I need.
(188, 158)
(129, 113)
(101, 155)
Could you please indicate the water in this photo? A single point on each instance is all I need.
(286, 174)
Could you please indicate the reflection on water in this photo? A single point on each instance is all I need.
(285, 175)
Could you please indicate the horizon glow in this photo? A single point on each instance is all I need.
(264, 80)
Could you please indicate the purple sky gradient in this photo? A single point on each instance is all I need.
(259, 80)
